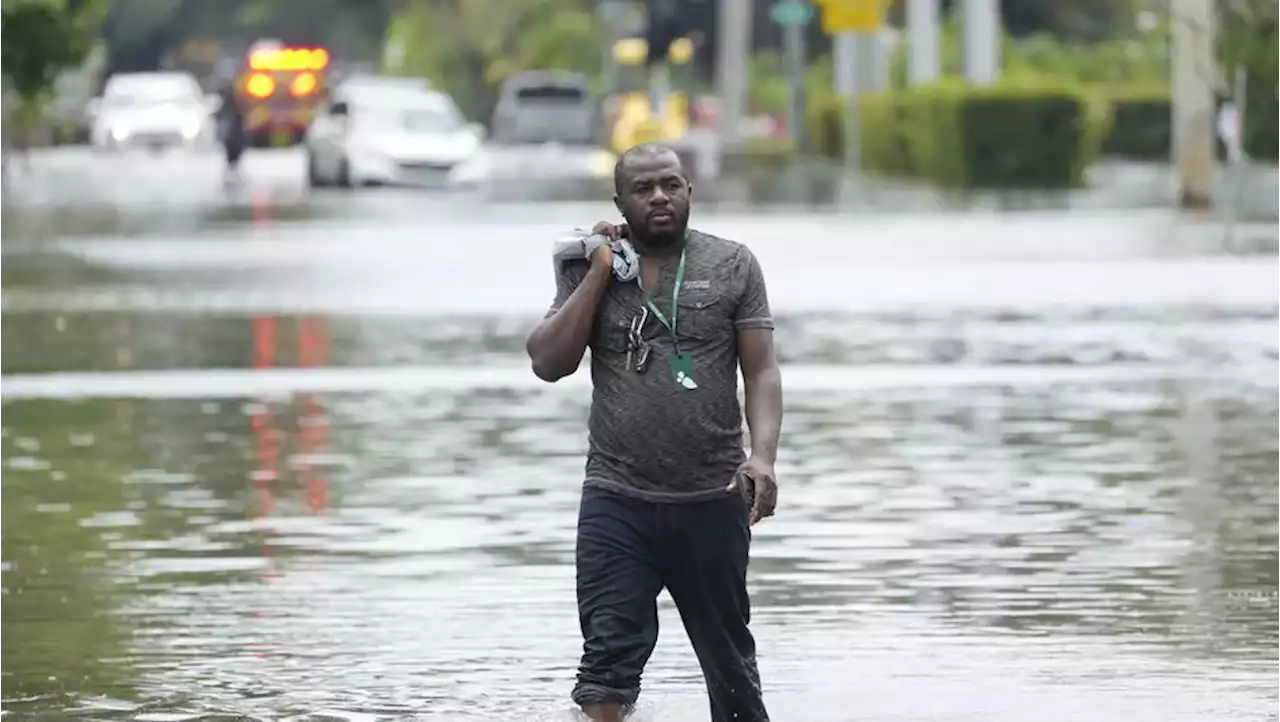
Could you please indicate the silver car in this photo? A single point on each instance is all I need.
(546, 106)
(155, 111)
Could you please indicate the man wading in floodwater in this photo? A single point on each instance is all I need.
(669, 494)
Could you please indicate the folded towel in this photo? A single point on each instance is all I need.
(578, 245)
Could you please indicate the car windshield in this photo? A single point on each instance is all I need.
(138, 95)
(412, 117)
(550, 94)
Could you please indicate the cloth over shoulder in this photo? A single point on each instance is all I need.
(578, 245)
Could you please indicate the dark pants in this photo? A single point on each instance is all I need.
(627, 551)
(233, 139)
(233, 148)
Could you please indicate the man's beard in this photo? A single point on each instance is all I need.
(642, 233)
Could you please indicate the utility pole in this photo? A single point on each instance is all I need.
(844, 53)
(1193, 102)
(733, 48)
(793, 40)
(854, 27)
(923, 64)
(793, 16)
(981, 44)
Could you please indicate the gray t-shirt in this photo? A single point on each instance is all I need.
(649, 438)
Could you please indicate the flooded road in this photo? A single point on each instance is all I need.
(273, 455)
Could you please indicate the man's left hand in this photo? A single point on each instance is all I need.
(612, 231)
(765, 486)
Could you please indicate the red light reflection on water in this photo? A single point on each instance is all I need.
(264, 353)
(313, 419)
(307, 433)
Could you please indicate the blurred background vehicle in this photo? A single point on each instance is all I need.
(380, 131)
(155, 111)
(280, 89)
(649, 101)
(545, 106)
(351, 82)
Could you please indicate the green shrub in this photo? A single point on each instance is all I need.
(759, 157)
(1010, 135)
(1140, 127)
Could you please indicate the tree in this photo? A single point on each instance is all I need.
(1069, 20)
(469, 47)
(41, 38)
(142, 33)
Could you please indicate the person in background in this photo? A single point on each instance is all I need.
(1228, 130)
(670, 493)
(230, 123)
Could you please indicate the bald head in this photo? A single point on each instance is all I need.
(643, 156)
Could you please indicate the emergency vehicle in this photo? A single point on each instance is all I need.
(280, 89)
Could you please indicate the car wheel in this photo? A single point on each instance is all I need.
(344, 174)
(314, 179)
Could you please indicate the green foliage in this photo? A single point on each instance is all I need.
(769, 88)
(141, 33)
(1141, 117)
(1142, 59)
(1140, 126)
(469, 47)
(41, 38)
(1011, 135)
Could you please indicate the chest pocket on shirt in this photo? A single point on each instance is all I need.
(702, 314)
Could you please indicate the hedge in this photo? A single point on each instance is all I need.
(1141, 126)
(1002, 136)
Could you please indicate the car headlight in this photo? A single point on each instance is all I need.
(119, 134)
(192, 130)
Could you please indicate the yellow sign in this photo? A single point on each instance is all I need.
(852, 16)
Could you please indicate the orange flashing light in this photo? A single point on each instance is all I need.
(289, 59)
(304, 84)
(260, 86)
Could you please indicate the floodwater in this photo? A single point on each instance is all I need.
(271, 455)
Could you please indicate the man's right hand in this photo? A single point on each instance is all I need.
(613, 232)
(602, 258)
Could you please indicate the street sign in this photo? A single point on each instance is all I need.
(852, 16)
(791, 12)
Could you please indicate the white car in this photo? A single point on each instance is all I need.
(369, 135)
(151, 110)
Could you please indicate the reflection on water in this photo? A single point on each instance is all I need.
(178, 186)
(300, 471)
(396, 553)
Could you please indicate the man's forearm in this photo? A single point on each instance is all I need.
(557, 345)
(764, 412)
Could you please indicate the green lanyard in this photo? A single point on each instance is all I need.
(675, 303)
